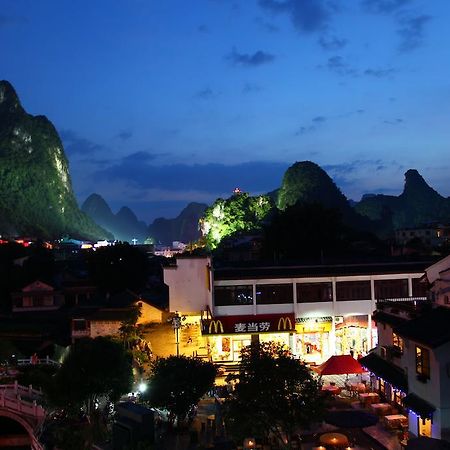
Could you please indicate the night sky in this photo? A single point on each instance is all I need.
(163, 102)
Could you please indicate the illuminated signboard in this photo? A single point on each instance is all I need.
(265, 323)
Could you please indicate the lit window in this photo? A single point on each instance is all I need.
(423, 362)
(397, 342)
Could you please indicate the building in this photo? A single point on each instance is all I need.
(94, 321)
(37, 296)
(431, 235)
(411, 364)
(317, 310)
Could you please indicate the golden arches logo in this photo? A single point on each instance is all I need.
(284, 323)
(215, 325)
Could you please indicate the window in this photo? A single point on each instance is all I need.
(233, 295)
(314, 292)
(446, 300)
(38, 300)
(397, 342)
(422, 363)
(419, 289)
(353, 290)
(396, 397)
(79, 325)
(391, 289)
(268, 294)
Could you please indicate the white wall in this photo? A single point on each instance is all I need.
(189, 285)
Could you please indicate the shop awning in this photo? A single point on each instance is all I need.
(427, 443)
(339, 365)
(385, 370)
(420, 406)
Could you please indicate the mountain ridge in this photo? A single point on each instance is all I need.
(36, 195)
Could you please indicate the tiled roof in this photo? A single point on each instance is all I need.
(418, 405)
(390, 319)
(431, 329)
(385, 370)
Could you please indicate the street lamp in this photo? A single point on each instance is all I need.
(176, 324)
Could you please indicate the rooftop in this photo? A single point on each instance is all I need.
(314, 270)
(430, 329)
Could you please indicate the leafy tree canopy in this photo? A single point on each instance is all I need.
(177, 384)
(93, 368)
(274, 395)
(239, 213)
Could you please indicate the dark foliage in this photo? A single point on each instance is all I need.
(178, 383)
(275, 395)
(94, 368)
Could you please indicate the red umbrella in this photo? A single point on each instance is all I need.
(339, 365)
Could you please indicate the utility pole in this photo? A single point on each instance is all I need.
(176, 324)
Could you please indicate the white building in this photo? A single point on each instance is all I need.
(412, 360)
(317, 310)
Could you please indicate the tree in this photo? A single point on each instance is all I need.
(94, 369)
(177, 384)
(274, 395)
(239, 213)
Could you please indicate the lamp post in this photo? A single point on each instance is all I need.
(176, 324)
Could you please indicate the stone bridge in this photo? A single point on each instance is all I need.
(21, 416)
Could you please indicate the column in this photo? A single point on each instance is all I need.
(332, 339)
(369, 332)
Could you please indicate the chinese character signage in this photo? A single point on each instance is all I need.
(265, 323)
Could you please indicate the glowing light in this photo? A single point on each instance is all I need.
(142, 387)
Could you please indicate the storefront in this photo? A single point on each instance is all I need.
(227, 335)
(352, 334)
(312, 339)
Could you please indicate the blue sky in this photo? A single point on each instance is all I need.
(160, 103)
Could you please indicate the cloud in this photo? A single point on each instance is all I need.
(138, 171)
(316, 122)
(393, 122)
(125, 135)
(266, 26)
(203, 29)
(250, 88)
(332, 43)
(305, 130)
(384, 6)
(140, 157)
(356, 177)
(338, 65)
(307, 16)
(250, 60)
(379, 73)
(411, 31)
(205, 94)
(75, 144)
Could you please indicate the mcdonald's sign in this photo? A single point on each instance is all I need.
(284, 323)
(250, 324)
(215, 326)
